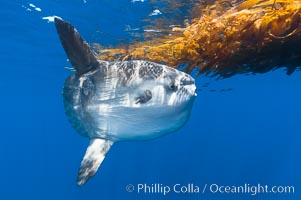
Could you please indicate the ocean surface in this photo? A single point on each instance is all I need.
(243, 131)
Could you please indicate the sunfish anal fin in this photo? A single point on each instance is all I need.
(95, 154)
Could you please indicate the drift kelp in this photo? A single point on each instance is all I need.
(251, 36)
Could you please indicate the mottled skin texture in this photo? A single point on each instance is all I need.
(108, 106)
(120, 101)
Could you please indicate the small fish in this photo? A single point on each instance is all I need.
(110, 102)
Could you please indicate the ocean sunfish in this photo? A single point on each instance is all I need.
(110, 102)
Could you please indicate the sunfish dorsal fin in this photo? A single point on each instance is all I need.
(95, 154)
(81, 56)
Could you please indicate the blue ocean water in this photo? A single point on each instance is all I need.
(243, 130)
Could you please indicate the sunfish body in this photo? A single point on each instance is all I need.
(120, 101)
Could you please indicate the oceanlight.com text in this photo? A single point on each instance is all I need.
(250, 189)
(193, 188)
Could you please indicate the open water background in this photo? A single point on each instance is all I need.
(245, 129)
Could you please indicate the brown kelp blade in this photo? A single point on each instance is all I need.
(252, 36)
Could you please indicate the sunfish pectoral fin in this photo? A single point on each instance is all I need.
(81, 56)
(145, 97)
(95, 154)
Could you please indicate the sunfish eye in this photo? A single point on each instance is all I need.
(172, 86)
